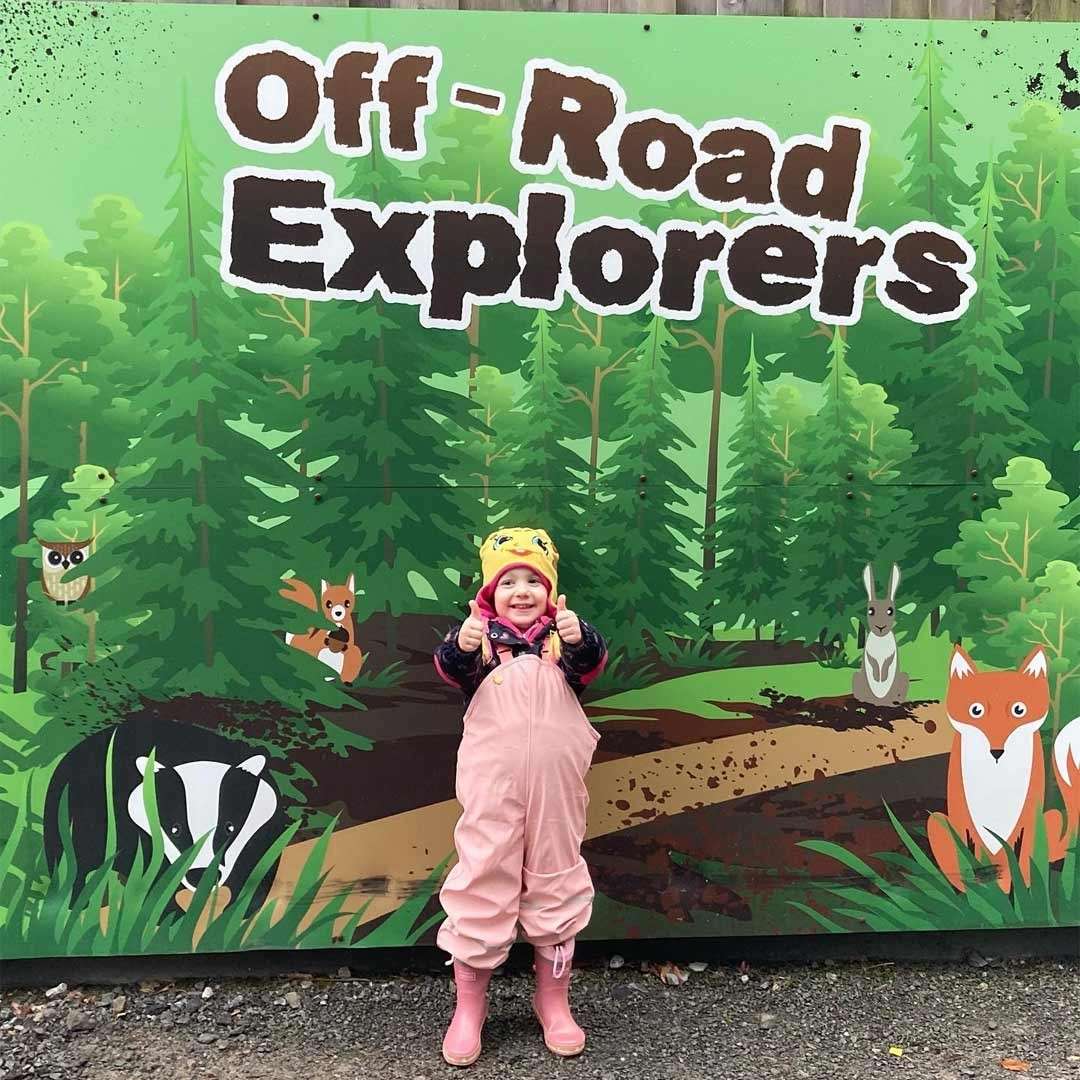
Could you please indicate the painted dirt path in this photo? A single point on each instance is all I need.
(381, 862)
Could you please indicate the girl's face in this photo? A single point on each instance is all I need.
(521, 597)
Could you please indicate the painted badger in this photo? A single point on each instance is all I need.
(210, 789)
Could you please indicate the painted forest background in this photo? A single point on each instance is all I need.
(704, 481)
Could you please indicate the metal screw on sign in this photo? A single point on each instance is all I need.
(851, 495)
(974, 472)
(642, 478)
(318, 498)
(102, 499)
(641, 494)
(974, 496)
(851, 476)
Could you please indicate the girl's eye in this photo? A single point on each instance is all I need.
(976, 709)
(1018, 709)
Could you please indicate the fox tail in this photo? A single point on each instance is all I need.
(1067, 770)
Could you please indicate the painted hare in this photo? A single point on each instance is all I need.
(879, 680)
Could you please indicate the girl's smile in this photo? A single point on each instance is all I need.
(521, 597)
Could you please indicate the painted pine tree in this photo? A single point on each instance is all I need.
(388, 503)
(547, 475)
(834, 537)
(746, 583)
(979, 420)
(198, 576)
(931, 183)
(643, 537)
(1048, 291)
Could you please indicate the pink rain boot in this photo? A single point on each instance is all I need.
(461, 1043)
(551, 1003)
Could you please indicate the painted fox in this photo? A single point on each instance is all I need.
(997, 774)
(336, 648)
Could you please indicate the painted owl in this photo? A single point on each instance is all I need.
(56, 559)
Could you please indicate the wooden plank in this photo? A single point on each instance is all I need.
(697, 7)
(1055, 10)
(857, 9)
(287, 3)
(911, 9)
(804, 8)
(641, 7)
(589, 6)
(1011, 10)
(749, 7)
(967, 9)
(514, 5)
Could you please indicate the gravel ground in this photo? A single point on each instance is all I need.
(981, 1018)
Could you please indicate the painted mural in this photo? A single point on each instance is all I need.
(297, 306)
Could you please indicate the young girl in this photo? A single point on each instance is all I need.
(521, 659)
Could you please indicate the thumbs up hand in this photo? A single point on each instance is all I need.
(567, 623)
(471, 635)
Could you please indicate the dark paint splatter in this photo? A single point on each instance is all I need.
(54, 51)
(1067, 69)
(1035, 84)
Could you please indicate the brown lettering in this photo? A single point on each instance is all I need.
(679, 155)
(351, 88)
(638, 266)
(845, 258)
(242, 98)
(453, 275)
(378, 249)
(574, 109)
(406, 92)
(546, 214)
(254, 229)
(740, 168)
(772, 251)
(837, 164)
(685, 250)
(925, 257)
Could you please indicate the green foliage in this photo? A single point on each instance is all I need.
(190, 585)
(545, 472)
(748, 535)
(931, 183)
(1018, 592)
(835, 537)
(645, 594)
(42, 916)
(913, 893)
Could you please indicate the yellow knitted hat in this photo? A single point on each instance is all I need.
(518, 546)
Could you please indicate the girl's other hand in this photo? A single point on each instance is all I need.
(471, 635)
(567, 623)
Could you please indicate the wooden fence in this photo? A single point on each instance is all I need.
(1027, 10)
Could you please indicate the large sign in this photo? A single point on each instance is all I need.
(773, 325)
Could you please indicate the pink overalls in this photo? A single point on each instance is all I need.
(521, 768)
